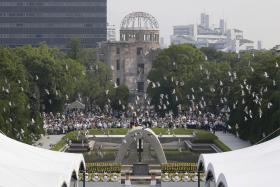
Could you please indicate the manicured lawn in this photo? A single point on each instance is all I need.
(173, 156)
(112, 131)
(201, 136)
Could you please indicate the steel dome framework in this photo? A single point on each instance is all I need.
(139, 21)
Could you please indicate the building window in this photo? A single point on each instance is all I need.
(140, 68)
(118, 65)
(139, 51)
(118, 82)
(140, 87)
(118, 51)
(88, 25)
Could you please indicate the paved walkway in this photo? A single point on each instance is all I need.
(46, 141)
(232, 141)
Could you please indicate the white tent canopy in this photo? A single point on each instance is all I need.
(27, 166)
(255, 166)
(76, 105)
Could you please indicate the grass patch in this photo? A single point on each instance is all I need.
(221, 145)
(201, 136)
(70, 136)
(207, 137)
(59, 145)
(112, 131)
(178, 131)
(108, 156)
(184, 156)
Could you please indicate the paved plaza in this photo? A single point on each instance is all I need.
(46, 141)
(232, 141)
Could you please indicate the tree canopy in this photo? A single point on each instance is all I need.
(244, 87)
(42, 79)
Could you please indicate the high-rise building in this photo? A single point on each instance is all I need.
(162, 43)
(55, 22)
(217, 37)
(222, 25)
(111, 32)
(204, 20)
(277, 49)
(260, 45)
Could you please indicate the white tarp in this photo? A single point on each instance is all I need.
(27, 166)
(256, 166)
(76, 105)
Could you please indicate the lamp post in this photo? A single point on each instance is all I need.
(84, 178)
(198, 175)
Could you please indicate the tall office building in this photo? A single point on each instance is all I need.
(223, 25)
(260, 45)
(217, 36)
(55, 22)
(204, 20)
(111, 32)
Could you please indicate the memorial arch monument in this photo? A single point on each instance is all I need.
(145, 135)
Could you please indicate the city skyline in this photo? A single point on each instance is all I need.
(253, 17)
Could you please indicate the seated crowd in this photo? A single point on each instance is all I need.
(71, 121)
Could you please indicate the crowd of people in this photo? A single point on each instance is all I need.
(77, 120)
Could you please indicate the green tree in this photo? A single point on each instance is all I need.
(243, 87)
(171, 69)
(87, 57)
(74, 48)
(119, 97)
(54, 77)
(16, 118)
(96, 84)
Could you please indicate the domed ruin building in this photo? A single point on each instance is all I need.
(131, 58)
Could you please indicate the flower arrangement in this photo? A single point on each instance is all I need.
(95, 178)
(105, 177)
(181, 177)
(186, 177)
(176, 177)
(165, 177)
(87, 177)
(103, 167)
(179, 167)
(115, 177)
(101, 177)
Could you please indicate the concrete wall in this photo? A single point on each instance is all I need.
(129, 72)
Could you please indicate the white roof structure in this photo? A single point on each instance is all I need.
(76, 105)
(255, 166)
(22, 165)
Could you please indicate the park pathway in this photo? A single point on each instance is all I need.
(232, 141)
(46, 141)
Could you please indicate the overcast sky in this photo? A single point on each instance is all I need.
(259, 19)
